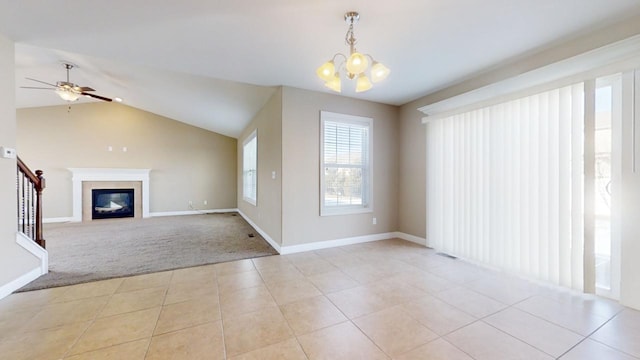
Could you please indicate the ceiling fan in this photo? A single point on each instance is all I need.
(67, 90)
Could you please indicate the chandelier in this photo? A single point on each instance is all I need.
(356, 64)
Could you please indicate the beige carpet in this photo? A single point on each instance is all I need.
(103, 249)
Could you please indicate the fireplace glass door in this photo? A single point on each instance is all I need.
(112, 203)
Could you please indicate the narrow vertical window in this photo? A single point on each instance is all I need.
(607, 175)
(345, 184)
(250, 168)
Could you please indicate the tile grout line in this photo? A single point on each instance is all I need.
(513, 306)
(477, 319)
(224, 342)
(348, 319)
(593, 332)
(92, 322)
(281, 313)
(516, 338)
(550, 322)
(560, 325)
(164, 298)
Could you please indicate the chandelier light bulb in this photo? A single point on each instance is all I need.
(357, 63)
(379, 72)
(363, 83)
(334, 83)
(326, 71)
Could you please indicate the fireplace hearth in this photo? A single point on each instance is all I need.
(112, 203)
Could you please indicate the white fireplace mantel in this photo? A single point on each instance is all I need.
(107, 174)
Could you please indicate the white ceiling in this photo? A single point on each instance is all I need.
(215, 63)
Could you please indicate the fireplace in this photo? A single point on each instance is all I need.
(86, 179)
(112, 203)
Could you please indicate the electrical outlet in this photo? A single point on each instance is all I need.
(190, 203)
(205, 202)
(375, 221)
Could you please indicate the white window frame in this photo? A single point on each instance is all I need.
(246, 181)
(367, 167)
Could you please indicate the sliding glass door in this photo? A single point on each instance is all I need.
(533, 185)
(607, 155)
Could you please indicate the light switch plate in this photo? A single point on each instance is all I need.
(7, 153)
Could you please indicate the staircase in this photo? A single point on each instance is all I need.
(29, 187)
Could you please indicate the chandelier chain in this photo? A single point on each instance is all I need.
(350, 38)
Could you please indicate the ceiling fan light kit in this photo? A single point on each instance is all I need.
(69, 91)
(67, 95)
(356, 64)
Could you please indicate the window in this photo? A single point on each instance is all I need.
(250, 168)
(607, 172)
(345, 174)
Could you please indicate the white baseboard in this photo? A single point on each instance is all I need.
(37, 251)
(191, 212)
(292, 249)
(268, 238)
(414, 239)
(16, 284)
(57, 220)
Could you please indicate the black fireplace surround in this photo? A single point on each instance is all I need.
(112, 203)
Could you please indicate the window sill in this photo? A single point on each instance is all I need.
(345, 211)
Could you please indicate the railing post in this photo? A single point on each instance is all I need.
(39, 187)
(31, 223)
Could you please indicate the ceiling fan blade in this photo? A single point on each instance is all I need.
(97, 96)
(86, 88)
(46, 83)
(33, 87)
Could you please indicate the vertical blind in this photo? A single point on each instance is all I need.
(505, 185)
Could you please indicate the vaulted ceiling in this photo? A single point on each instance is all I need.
(214, 64)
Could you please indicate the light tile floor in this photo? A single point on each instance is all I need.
(384, 300)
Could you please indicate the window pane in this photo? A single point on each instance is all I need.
(343, 186)
(249, 168)
(607, 150)
(345, 143)
(346, 163)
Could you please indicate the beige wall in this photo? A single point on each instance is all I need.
(302, 222)
(412, 209)
(14, 260)
(187, 163)
(267, 213)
